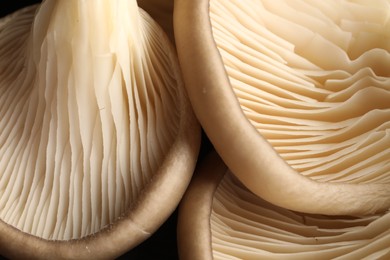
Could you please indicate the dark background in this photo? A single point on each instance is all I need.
(8, 6)
(162, 244)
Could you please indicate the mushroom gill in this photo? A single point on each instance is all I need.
(234, 223)
(95, 128)
(161, 11)
(295, 96)
(244, 226)
(315, 84)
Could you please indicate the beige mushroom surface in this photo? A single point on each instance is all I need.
(221, 219)
(295, 97)
(98, 141)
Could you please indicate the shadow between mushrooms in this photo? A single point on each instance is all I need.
(295, 97)
(97, 138)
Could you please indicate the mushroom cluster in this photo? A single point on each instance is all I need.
(97, 139)
(294, 96)
(100, 107)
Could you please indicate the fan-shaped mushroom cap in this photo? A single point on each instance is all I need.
(221, 219)
(295, 97)
(98, 141)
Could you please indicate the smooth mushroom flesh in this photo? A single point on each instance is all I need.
(294, 96)
(91, 104)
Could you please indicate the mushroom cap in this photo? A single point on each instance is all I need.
(98, 138)
(294, 97)
(219, 218)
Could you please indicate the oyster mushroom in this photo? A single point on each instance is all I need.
(98, 141)
(233, 223)
(294, 95)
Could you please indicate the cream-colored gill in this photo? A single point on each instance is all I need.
(313, 79)
(89, 108)
(243, 226)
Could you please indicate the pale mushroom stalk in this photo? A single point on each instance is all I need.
(98, 141)
(246, 152)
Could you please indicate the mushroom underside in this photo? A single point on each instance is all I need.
(234, 223)
(294, 96)
(95, 127)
